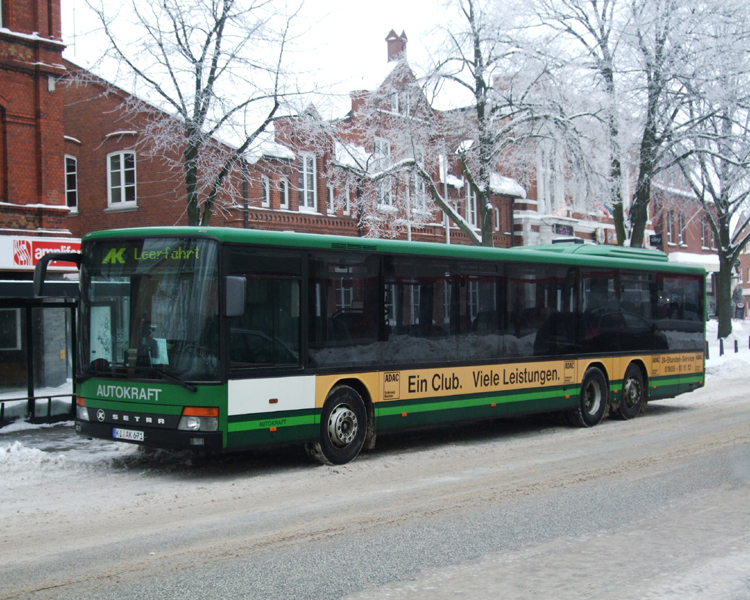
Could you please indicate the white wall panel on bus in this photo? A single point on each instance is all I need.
(255, 395)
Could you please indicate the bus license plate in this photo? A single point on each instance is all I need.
(127, 434)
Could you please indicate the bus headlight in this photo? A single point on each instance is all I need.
(196, 418)
(82, 413)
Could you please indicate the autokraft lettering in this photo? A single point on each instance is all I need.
(127, 392)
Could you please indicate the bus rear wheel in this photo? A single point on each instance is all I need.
(593, 401)
(633, 395)
(343, 427)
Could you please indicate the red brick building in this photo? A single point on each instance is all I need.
(35, 334)
(31, 105)
(293, 182)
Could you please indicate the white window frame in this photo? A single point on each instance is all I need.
(17, 312)
(381, 154)
(418, 188)
(385, 191)
(347, 200)
(394, 102)
(330, 199)
(345, 293)
(284, 192)
(471, 206)
(74, 190)
(739, 275)
(497, 219)
(680, 228)
(265, 192)
(670, 227)
(308, 182)
(122, 201)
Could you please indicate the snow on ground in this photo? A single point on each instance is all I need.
(25, 448)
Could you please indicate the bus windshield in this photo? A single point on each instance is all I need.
(149, 308)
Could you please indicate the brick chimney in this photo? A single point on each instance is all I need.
(396, 45)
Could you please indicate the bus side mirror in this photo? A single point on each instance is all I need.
(40, 271)
(235, 296)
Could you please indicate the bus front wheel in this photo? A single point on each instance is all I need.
(593, 402)
(343, 427)
(633, 395)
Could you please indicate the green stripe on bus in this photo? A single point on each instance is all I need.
(267, 423)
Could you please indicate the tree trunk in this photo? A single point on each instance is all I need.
(191, 185)
(724, 296)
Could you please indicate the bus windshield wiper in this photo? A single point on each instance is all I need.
(172, 378)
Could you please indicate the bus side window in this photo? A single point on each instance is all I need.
(343, 309)
(268, 333)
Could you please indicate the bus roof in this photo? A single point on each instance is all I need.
(568, 254)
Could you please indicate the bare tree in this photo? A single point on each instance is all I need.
(715, 156)
(209, 69)
(596, 27)
(515, 98)
(660, 31)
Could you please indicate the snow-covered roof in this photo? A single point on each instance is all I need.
(33, 37)
(454, 181)
(505, 186)
(350, 155)
(270, 149)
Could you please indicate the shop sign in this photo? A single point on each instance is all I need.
(21, 253)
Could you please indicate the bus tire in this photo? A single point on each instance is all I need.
(633, 395)
(343, 427)
(593, 402)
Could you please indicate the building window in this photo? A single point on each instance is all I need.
(385, 191)
(381, 154)
(121, 176)
(670, 226)
(471, 206)
(330, 199)
(307, 182)
(347, 194)
(681, 228)
(418, 189)
(344, 293)
(71, 183)
(739, 275)
(284, 193)
(497, 219)
(265, 191)
(10, 329)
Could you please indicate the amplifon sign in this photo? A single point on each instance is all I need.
(21, 253)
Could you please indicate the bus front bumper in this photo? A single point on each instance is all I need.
(147, 436)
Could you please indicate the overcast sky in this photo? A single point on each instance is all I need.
(344, 41)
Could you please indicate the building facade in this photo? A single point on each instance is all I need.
(36, 336)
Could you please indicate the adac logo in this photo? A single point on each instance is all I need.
(115, 255)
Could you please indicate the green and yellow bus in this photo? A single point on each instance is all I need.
(226, 339)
